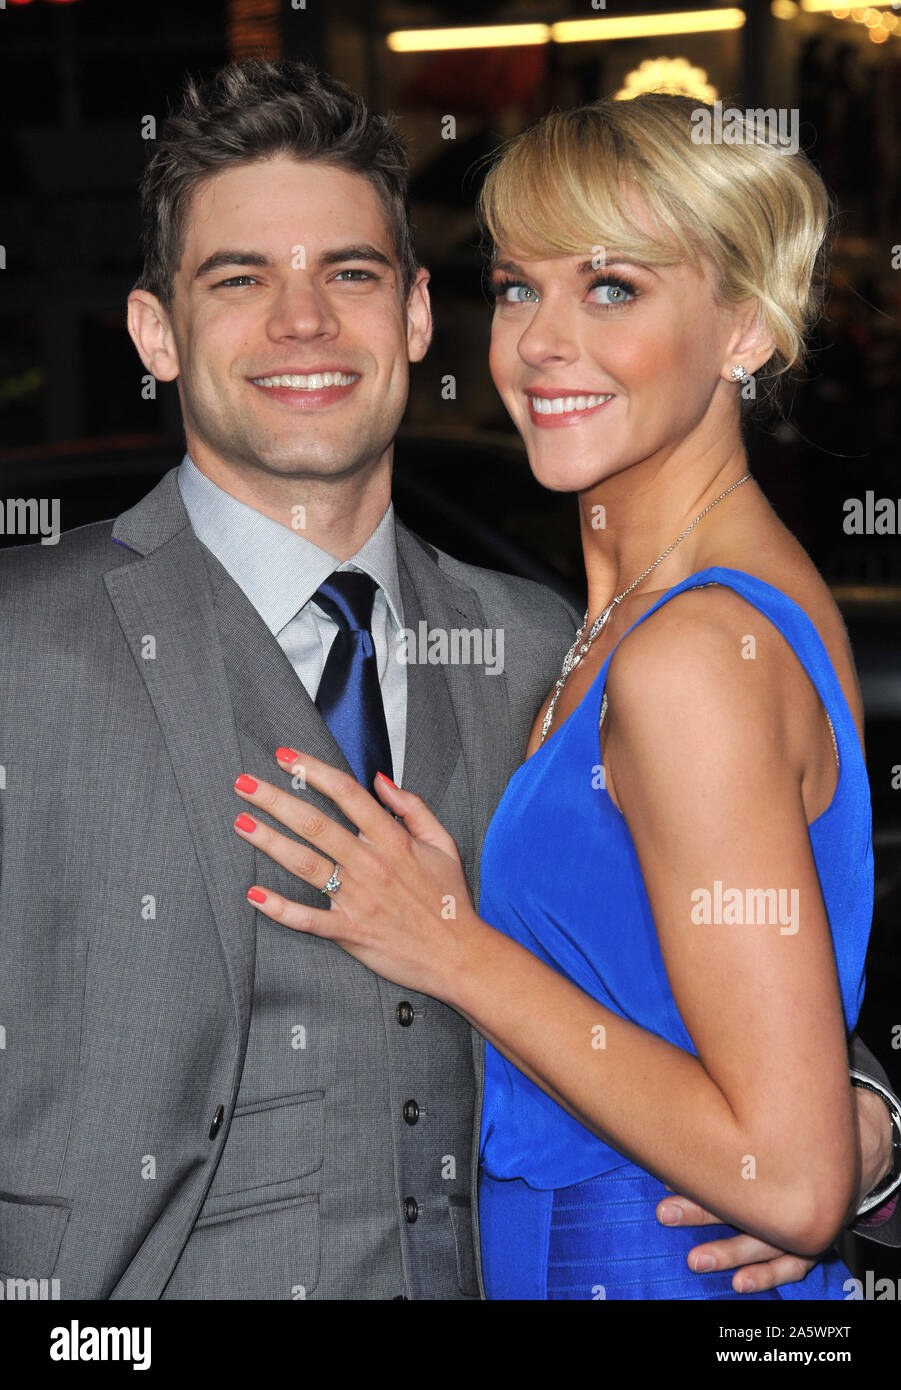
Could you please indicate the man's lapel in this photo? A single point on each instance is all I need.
(432, 746)
(454, 706)
(164, 604)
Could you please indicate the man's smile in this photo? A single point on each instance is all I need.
(308, 390)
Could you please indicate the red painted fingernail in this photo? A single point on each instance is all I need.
(256, 895)
(245, 784)
(286, 755)
(387, 779)
(245, 823)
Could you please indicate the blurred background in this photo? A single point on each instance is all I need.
(85, 82)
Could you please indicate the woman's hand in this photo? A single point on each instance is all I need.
(758, 1265)
(403, 906)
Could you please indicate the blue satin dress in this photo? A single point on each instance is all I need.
(562, 1214)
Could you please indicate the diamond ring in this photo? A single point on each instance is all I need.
(333, 884)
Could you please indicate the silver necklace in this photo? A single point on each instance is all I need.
(577, 652)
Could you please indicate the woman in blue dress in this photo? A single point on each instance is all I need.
(677, 883)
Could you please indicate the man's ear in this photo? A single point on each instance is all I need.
(151, 333)
(750, 346)
(419, 318)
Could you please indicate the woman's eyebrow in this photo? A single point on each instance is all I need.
(509, 266)
(587, 266)
(584, 269)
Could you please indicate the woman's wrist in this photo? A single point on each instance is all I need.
(470, 971)
(880, 1147)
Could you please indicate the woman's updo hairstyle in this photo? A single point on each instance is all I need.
(759, 212)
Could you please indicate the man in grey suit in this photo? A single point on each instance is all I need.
(197, 1103)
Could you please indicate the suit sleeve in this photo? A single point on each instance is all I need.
(888, 1231)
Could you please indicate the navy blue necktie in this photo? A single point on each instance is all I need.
(349, 697)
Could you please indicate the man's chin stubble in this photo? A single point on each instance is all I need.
(300, 466)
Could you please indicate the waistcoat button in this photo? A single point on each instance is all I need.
(411, 1209)
(411, 1112)
(404, 1014)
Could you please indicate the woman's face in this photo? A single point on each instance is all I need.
(604, 364)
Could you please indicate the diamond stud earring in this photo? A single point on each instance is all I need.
(739, 374)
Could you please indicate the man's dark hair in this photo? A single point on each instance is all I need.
(256, 109)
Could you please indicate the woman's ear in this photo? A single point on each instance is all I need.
(751, 346)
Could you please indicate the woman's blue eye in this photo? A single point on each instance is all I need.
(617, 292)
(514, 289)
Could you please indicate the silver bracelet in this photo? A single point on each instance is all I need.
(890, 1184)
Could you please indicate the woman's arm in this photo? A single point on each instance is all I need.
(759, 1266)
(703, 755)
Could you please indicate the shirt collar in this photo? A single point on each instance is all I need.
(279, 569)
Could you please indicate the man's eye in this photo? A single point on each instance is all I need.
(363, 274)
(233, 280)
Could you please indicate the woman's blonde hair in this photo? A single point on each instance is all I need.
(757, 211)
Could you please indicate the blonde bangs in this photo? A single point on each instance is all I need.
(556, 191)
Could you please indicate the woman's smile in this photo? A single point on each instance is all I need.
(557, 409)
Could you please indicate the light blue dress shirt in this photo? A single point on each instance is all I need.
(280, 570)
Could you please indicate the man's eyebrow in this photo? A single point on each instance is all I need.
(364, 252)
(222, 258)
(338, 256)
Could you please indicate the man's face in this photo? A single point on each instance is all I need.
(288, 271)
